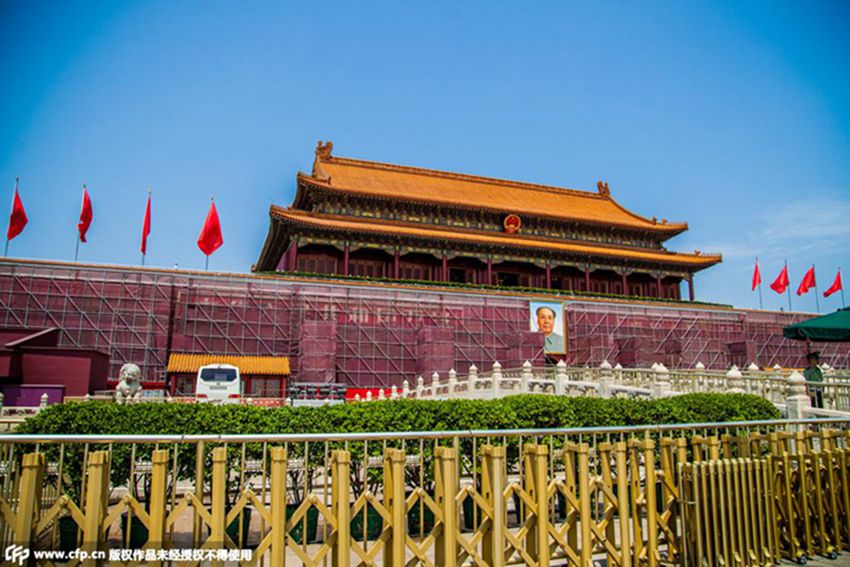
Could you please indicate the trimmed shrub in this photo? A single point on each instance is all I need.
(514, 412)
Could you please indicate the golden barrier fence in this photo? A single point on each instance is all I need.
(712, 494)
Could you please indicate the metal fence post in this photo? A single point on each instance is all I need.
(492, 485)
(445, 477)
(97, 490)
(32, 477)
(278, 504)
(394, 550)
(340, 495)
(218, 501)
(537, 485)
(158, 496)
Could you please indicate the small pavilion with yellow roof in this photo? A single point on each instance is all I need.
(361, 218)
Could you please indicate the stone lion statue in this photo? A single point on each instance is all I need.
(129, 389)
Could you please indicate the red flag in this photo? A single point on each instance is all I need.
(756, 276)
(210, 238)
(836, 285)
(781, 283)
(808, 282)
(18, 217)
(146, 226)
(85, 215)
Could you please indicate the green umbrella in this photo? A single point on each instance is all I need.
(832, 328)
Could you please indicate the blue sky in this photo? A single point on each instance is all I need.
(733, 116)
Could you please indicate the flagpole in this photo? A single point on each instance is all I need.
(206, 263)
(817, 299)
(11, 210)
(144, 236)
(842, 288)
(761, 303)
(788, 288)
(77, 248)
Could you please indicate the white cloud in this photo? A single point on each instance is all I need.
(815, 224)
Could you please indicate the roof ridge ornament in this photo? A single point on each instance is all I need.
(602, 186)
(323, 151)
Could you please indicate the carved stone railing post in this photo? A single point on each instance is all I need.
(393, 392)
(472, 380)
(452, 382)
(661, 381)
(561, 378)
(754, 386)
(734, 381)
(526, 377)
(606, 379)
(381, 395)
(369, 395)
(435, 384)
(496, 379)
(798, 401)
(356, 397)
(618, 373)
(420, 386)
(405, 389)
(42, 402)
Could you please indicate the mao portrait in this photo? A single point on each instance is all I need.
(548, 318)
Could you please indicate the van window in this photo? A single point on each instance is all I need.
(218, 374)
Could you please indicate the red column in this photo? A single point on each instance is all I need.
(691, 286)
(445, 268)
(625, 284)
(489, 271)
(548, 276)
(293, 257)
(396, 266)
(658, 286)
(346, 254)
(587, 278)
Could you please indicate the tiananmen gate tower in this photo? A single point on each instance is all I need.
(361, 218)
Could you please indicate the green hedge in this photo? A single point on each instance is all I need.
(515, 412)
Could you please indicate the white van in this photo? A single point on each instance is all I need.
(219, 383)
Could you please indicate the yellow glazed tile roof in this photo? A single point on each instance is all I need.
(411, 183)
(393, 228)
(268, 365)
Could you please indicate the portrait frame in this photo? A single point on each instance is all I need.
(558, 343)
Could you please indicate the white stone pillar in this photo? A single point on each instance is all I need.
(496, 379)
(472, 380)
(420, 386)
(561, 378)
(356, 397)
(618, 373)
(606, 379)
(369, 395)
(798, 401)
(393, 392)
(734, 381)
(42, 402)
(381, 395)
(526, 377)
(661, 381)
(452, 382)
(405, 389)
(435, 384)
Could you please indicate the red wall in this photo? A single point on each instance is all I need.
(81, 372)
